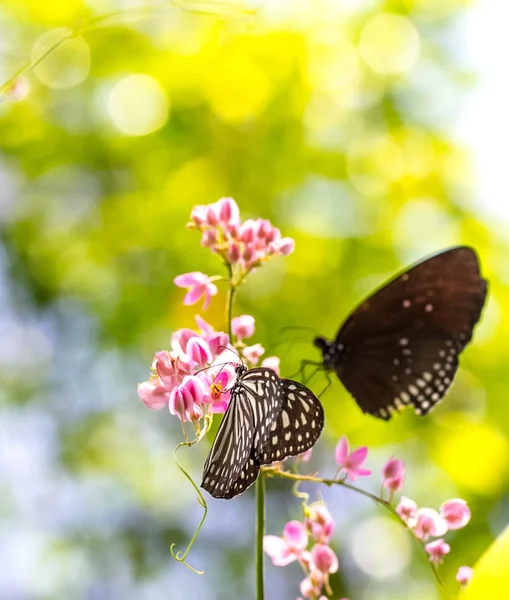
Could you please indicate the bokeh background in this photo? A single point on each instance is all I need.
(359, 129)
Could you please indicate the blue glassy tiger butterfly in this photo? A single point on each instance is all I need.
(268, 419)
(401, 345)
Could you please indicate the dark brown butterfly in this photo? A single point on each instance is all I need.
(401, 345)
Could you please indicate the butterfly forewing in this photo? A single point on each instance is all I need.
(232, 446)
(401, 345)
(255, 404)
(298, 426)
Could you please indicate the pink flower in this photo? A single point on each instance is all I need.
(319, 522)
(290, 547)
(464, 575)
(324, 559)
(456, 513)
(219, 395)
(406, 509)
(153, 395)
(271, 362)
(437, 550)
(198, 285)
(199, 214)
(185, 399)
(198, 350)
(252, 353)
(393, 474)
(228, 211)
(428, 523)
(181, 401)
(233, 254)
(312, 585)
(286, 246)
(243, 326)
(351, 463)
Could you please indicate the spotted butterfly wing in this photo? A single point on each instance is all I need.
(254, 405)
(298, 426)
(401, 345)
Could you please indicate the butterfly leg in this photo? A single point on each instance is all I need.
(329, 383)
(302, 371)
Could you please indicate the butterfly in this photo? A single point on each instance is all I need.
(401, 345)
(267, 420)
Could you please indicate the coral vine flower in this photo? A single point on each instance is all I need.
(428, 523)
(324, 559)
(351, 463)
(437, 550)
(243, 326)
(272, 362)
(406, 509)
(290, 547)
(252, 353)
(198, 285)
(393, 474)
(319, 522)
(456, 513)
(464, 575)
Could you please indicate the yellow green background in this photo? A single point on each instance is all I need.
(332, 119)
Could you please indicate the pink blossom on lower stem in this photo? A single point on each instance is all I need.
(319, 522)
(464, 575)
(271, 362)
(351, 463)
(428, 523)
(312, 585)
(252, 353)
(456, 513)
(198, 285)
(324, 559)
(406, 509)
(393, 474)
(437, 550)
(290, 547)
(243, 326)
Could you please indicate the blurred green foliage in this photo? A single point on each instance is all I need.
(329, 118)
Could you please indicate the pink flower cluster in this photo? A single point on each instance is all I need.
(246, 244)
(178, 381)
(193, 378)
(318, 560)
(427, 523)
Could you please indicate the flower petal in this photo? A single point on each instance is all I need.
(190, 279)
(295, 535)
(342, 450)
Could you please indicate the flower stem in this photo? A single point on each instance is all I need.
(230, 298)
(260, 532)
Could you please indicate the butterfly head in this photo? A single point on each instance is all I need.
(240, 370)
(329, 352)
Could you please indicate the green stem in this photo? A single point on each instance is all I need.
(376, 499)
(260, 532)
(230, 299)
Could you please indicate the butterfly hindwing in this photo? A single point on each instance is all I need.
(298, 426)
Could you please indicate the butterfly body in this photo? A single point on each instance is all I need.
(267, 420)
(401, 345)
